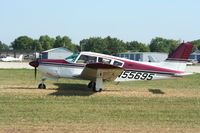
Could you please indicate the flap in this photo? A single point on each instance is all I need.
(101, 70)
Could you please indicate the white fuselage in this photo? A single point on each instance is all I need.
(73, 70)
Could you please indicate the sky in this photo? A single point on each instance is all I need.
(127, 20)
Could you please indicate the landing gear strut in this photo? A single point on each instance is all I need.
(42, 85)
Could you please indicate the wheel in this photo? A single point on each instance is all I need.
(91, 84)
(94, 87)
(41, 86)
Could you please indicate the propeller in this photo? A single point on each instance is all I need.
(34, 64)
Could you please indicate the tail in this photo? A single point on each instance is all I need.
(178, 59)
(21, 57)
(181, 53)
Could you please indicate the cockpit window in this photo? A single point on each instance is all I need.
(72, 58)
(85, 59)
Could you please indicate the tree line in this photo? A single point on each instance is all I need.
(43, 43)
(107, 45)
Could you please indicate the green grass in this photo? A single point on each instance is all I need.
(69, 106)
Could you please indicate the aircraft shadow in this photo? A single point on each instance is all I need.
(72, 90)
(156, 91)
(25, 88)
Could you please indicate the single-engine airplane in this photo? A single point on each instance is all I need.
(8, 59)
(98, 68)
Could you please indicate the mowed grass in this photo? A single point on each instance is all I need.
(69, 106)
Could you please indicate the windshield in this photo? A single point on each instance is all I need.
(72, 58)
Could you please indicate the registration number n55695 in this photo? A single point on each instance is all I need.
(136, 75)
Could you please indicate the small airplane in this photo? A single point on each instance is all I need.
(98, 68)
(9, 59)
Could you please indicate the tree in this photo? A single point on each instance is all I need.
(59, 42)
(107, 45)
(135, 46)
(114, 45)
(73, 47)
(37, 45)
(22, 43)
(3, 46)
(196, 45)
(46, 42)
(94, 44)
(64, 42)
(159, 44)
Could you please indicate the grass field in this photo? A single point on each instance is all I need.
(67, 105)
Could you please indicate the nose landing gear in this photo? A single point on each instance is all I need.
(42, 85)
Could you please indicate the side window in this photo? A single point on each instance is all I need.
(92, 59)
(117, 63)
(86, 59)
(104, 60)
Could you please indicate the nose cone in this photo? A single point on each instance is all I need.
(34, 63)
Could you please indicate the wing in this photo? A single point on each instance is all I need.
(100, 70)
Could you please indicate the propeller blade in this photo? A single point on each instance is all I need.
(35, 72)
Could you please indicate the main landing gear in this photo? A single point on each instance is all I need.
(96, 86)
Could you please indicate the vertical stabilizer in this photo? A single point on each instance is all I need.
(21, 57)
(182, 52)
(178, 59)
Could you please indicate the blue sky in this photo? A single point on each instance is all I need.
(128, 20)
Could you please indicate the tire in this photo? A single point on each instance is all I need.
(94, 88)
(41, 86)
(90, 84)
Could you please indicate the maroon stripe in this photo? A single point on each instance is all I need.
(134, 65)
(54, 61)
